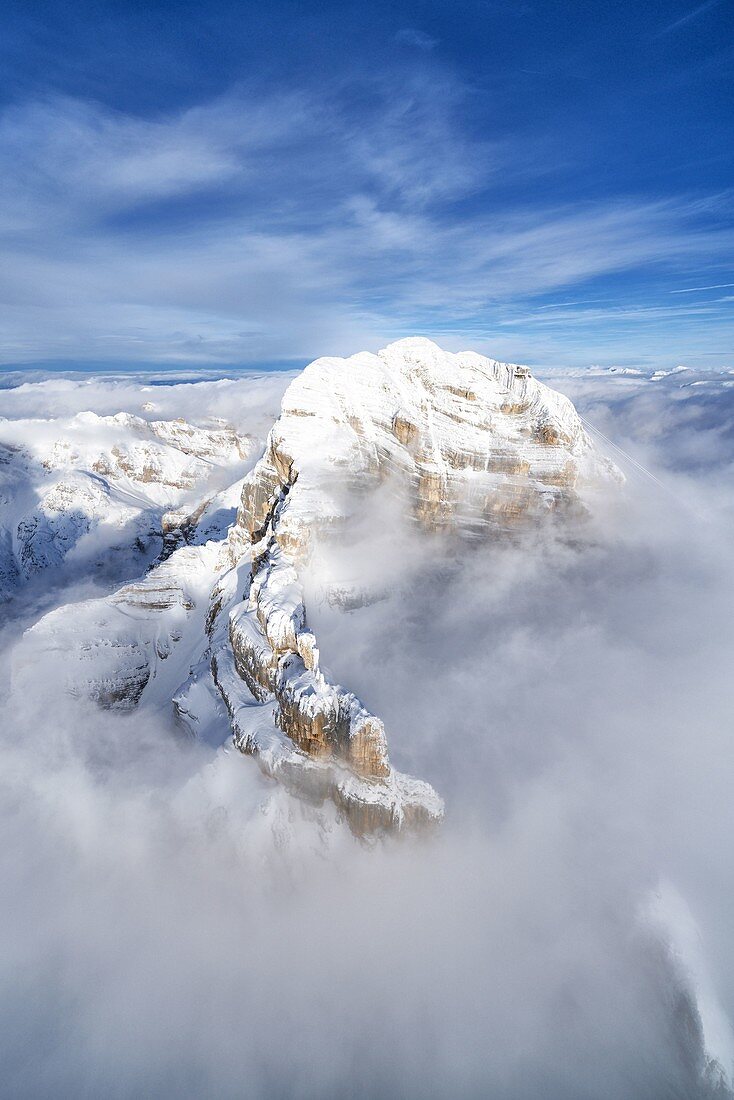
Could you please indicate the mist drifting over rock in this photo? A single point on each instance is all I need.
(475, 840)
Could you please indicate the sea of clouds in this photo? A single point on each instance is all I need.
(177, 925)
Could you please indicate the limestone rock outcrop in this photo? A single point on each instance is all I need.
(471, 446)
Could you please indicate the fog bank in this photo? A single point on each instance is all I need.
(179, 926)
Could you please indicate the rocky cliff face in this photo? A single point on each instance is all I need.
(460, 447)
(472, 446)
(478, 445)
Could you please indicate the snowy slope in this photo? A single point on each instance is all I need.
(86, 486)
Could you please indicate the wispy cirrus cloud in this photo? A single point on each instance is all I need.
(258, 227)
(688, 17)
(411, 36)
(696, 289)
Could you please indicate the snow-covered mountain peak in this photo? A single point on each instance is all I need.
(374, 461)
(476, 443)
(467, 446)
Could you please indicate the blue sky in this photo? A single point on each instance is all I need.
(235, 183)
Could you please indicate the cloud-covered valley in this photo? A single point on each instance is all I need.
(178, 925)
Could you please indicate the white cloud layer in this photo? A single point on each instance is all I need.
(176, 926)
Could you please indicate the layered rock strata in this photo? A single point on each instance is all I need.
(473, 446)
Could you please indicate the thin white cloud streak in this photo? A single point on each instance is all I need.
(563, 316)
(694, 289)
(687, 18)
